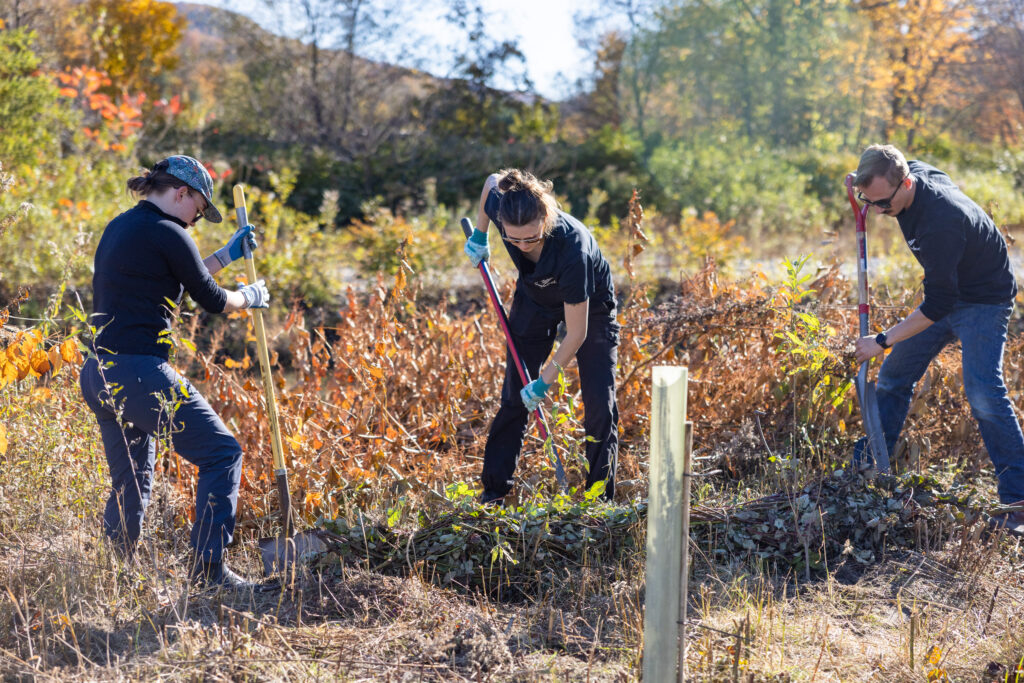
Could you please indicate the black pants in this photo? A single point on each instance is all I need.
(533, 332)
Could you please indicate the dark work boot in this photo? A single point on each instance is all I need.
(1012, 522)
(217, 575)
(489, 497)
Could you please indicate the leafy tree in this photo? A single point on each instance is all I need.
(602, 104)
(995, 71)
(629, 59)
(922, 40)
(29, 112)
(134, 41)
(764, 64)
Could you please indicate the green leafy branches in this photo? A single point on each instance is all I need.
(816, 378)
(29, 108)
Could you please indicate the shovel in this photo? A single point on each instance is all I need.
(865, 389)
(524, 375)
(279, 553)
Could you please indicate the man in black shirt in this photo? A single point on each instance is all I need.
(969, 288)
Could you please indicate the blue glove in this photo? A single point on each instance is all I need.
(533, 393)
(476, 247)
(256, 295)
(233, 248)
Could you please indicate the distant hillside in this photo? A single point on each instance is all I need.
(208, 26)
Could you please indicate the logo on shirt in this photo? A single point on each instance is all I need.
(546, 282)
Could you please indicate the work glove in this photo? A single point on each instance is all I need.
(256, 295)
(533, 393)
(232, 250)
(476, 247)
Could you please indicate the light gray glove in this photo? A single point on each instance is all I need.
(256, 295)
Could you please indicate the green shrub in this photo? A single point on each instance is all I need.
(72, 199)
(299, 254)
(738, 181)
(30, 117)
(995, 191)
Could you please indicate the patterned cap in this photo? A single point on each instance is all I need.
(195, 176)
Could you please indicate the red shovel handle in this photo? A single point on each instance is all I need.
(860, 214)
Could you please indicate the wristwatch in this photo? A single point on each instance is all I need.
(881, 340)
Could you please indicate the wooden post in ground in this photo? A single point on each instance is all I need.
(684, 570)
(664, 524)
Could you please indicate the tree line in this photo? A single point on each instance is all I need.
(748, 108)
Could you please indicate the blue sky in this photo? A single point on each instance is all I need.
(544, 29)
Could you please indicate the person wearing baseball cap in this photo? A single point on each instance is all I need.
(145, 263)
(195, 175)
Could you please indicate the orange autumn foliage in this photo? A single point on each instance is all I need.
(134, 42)
(30, 354)
(110, 122)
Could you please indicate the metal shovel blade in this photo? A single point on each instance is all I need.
(281, 553)
(872, 423)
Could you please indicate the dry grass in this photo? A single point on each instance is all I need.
(70, 612)
(911, 617)
(370, 431)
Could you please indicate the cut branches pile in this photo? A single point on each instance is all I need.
(836, 519)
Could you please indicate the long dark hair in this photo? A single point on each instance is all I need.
(154, 180)
(524, 199)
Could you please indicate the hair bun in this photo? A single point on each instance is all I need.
(524, 198)
(511, 181)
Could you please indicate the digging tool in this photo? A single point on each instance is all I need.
(279, 553)
(524, 375)
(865, 389)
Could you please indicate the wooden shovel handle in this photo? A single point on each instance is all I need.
(280, 468)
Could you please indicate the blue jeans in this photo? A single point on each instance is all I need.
(981, 329)
(154, 401)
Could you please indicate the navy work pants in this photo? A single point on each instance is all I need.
(154, 401)
(533, 333)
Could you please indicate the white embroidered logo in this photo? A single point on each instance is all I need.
(546, 282)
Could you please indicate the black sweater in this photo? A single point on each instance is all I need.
(146, 258)
(963, 254)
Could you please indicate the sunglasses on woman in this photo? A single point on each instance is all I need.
(200, 209)
(528, 240)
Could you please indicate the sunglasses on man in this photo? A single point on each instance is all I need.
(882, 203)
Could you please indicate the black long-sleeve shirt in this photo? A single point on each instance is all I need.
(570, 270)
(146, 258)
(962, 252)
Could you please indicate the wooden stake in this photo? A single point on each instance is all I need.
(664, 523)
(684, 571)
